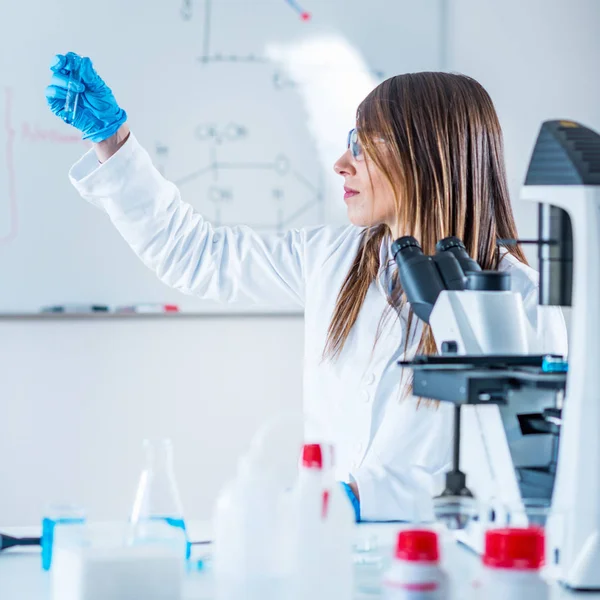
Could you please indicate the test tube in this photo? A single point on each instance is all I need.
(74, 62)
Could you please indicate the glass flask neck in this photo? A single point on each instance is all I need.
(158, 455)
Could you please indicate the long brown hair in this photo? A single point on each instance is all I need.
(444, 159)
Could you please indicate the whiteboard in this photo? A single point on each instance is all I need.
(244, 104)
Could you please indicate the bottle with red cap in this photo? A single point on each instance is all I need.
(322, 530)
(512, 562)
(416, 573)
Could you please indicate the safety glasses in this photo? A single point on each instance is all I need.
(354, 145)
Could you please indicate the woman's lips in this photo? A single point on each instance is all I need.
(349, 192)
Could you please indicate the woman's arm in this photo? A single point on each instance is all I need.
(352, 485)
(106, 148)
(227, 264)
(170, 236)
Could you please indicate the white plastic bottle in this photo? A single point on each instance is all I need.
(252, 513)
(321, 536)
(416, 573)
(340, 535)
(512, 561)
(247, 522)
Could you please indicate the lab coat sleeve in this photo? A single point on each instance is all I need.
(227, 264)
(409, 455)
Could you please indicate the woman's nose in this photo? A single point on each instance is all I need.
(343, 165)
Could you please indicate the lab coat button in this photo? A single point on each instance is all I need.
(366, 396)
(370, 379)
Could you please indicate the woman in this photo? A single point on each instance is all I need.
(425, 159)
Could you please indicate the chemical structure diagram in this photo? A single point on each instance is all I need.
(208, 56)
(221, 194)
(282, 179)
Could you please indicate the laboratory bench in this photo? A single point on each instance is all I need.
(22, 578)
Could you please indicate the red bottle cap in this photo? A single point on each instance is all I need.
(418, 545)
(312, 456)
(514, 548)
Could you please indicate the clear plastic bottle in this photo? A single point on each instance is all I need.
(72, 95)
(249, 563)
(321, 531)
(251, 520)
(340, 533)
(512, 560)
(157, 497)
(309, 509)
(416, 573)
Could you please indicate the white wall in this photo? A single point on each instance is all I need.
(78, 396)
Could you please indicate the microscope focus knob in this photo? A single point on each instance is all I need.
(450, 347)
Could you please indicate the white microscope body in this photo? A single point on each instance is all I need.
(574, 528)
(476, 321)
(474, 314)
(488, 323)
(564, 173)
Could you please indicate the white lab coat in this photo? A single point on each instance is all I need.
(395, 450)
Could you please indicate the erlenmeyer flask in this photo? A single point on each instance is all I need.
(157, 497)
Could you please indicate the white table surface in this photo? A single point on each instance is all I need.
(22, 578)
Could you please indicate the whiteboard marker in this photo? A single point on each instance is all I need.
(149, 309)
(76, 308)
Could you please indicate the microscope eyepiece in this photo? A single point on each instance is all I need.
(418, 275)
(448, 243)
(405, 248)
(456, 247)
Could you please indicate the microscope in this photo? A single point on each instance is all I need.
(524, 427)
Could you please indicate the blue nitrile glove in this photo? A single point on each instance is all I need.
(98, 115)
(353, 499)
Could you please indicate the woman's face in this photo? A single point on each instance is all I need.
(367, 193)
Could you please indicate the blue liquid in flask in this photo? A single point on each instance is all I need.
(157, 498)
(177, 523)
